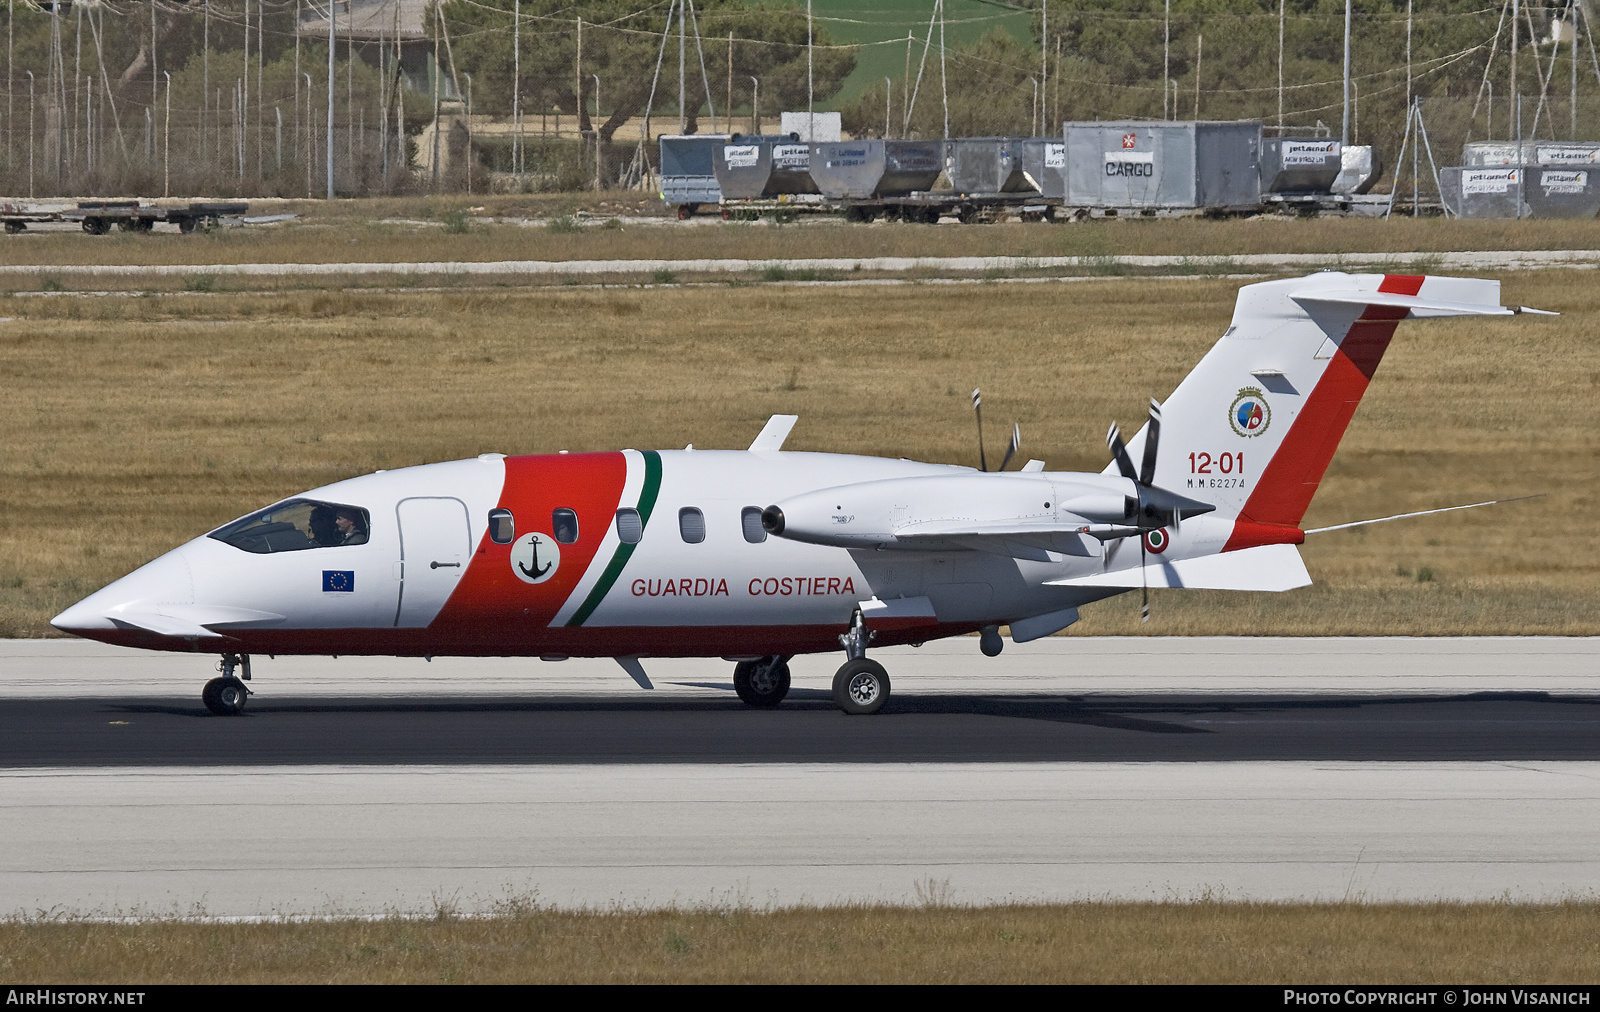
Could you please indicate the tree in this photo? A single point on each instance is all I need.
(623, 45)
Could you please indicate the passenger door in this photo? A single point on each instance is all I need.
(435, 546)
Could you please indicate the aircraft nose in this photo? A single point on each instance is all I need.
(83, 617)
(167, 580)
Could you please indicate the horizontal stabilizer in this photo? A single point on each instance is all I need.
(1420, 306)
(1269, 567)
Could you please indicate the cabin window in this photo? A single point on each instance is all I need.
(564, 523)
(750, 520)
(295, 526)
(502, 527)
(692, 525)
(630, 527)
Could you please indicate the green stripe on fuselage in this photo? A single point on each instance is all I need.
(647, 503)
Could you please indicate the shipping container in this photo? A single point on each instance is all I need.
(1044, 162)
(751, 167)
(1300, 165)
(979, 166)
(1164, 165)
(688, 172)
(1360, 165)
(862, 170)
(1491, 154)
(1543, 191)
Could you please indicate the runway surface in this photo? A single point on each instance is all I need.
(1140, 768)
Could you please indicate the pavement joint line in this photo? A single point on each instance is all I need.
(1483, 259)
(624, 286)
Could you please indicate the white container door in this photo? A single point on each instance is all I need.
(435, 547)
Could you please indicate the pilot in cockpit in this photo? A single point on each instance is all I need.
(350, 526)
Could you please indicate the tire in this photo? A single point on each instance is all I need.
(225, 697)
(861, 687)
(13, 227)
(96, 226)
(186, 225)
(762, 683)
(686, 211)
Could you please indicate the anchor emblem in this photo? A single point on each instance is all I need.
(525, 557)
(537, 572)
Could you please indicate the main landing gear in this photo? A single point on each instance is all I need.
(762, 683)
(861, 685)
(225, 695)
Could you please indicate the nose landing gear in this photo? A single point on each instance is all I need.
(861, 686)
(225, 695)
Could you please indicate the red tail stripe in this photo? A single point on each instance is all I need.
(1284, 492)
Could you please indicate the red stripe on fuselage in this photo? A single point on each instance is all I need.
(492, 604)
(1284, 491)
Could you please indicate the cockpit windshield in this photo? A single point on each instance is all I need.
(295, 526)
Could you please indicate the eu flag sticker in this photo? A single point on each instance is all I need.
(338, 580)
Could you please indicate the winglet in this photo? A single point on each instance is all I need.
(774, 432)
(635, 671)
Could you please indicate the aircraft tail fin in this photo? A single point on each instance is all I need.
(1254, 426)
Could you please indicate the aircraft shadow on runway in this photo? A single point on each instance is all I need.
(808, 727)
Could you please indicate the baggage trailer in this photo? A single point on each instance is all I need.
(17, 217)
(98, 217)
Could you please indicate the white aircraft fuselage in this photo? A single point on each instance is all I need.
(766, 553)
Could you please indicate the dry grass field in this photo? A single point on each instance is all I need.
(1084, 943)
(135, 422)
(355, 231)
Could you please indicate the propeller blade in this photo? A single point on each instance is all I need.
(1013, 446)
(977, 409)
(1144, 585)
(1119, 453)
(1152, 437)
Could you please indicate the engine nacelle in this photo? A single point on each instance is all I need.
(901, 512)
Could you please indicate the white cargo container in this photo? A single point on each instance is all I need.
(1141, 165)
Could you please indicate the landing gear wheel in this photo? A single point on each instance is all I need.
(762, 683)
(861, 686)
(225, 696)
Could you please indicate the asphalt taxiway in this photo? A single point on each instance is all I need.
(1114, 768)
